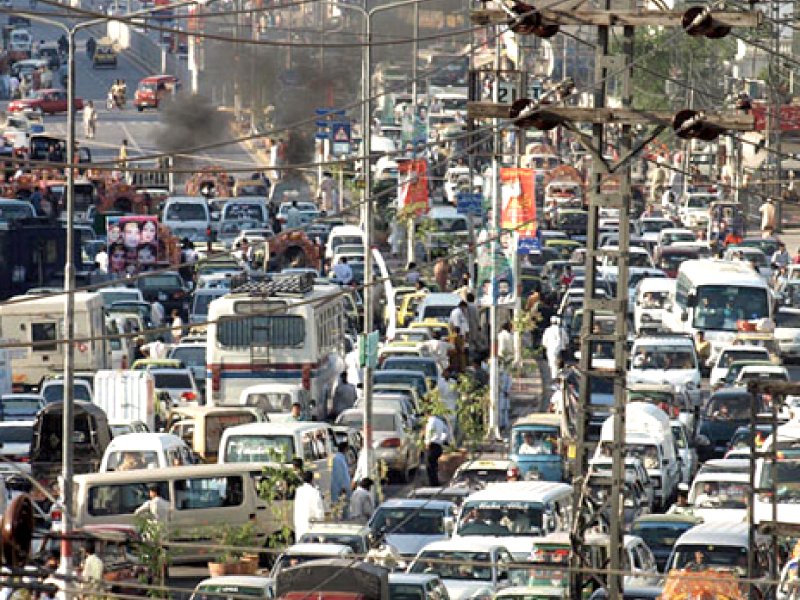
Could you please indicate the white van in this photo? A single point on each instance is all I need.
(667, 359)
(202, 498)
(276, 399)
(344, 235)
(648, 436)
(720, 497)
(128, 396)
(281, 442)
(40, 321)
(512, 514)
(145, 451)
(188, 217)
(654, 297)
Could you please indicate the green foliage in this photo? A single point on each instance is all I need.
(151, 550)
(278, 483)
(472, 410)
(236, 541)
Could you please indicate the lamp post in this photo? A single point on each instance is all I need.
(69, 276)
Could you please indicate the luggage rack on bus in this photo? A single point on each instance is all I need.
(295, 284)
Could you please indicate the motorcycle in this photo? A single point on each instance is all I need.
(116, 99)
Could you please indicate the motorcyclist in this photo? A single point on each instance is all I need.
(91, 46)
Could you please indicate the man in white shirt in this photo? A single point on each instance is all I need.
(459, 318)
(101, 258)
(157, 313)
(505, 344)
(435, 439)
(554, 342)
(92, 572)
(342, 273)
(156, 507)
(438, 350)
(308, 505)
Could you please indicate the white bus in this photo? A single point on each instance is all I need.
(285, 331)
(713, 296)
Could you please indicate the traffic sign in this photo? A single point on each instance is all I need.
(526, 245)
(368, 350)
(340, 136)
(469, 204)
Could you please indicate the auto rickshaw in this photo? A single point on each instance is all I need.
(535, 447)
(105, 54)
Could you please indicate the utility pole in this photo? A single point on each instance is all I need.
(605, 192)
(494, 249)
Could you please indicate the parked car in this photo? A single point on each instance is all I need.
(48, 102)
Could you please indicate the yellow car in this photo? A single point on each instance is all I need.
(407, 307)
(105, 54)
(433, 325)
(565, 248)
(400, 293)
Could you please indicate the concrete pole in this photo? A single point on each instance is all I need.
(69, 315)
(494, 249)
(414, 55)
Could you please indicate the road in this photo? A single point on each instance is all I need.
(140, 129)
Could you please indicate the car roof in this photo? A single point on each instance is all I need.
(412, 578)
(319, 549)
(346, 528)
(519, 490)
(722, 534)
(249, 580)
(668, 518)
(416, 503)
(471, 544)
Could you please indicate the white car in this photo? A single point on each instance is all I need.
(179, 384)
(469, 568)
(693, 211)
(650, 227)
(686, 451)
(787, 332)
(256, 587)
(666, 359)
(730, 354)
(670, 235)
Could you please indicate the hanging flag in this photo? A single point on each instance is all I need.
(414, 185)
(518, 201)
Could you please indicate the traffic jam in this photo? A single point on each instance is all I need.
(362, 379)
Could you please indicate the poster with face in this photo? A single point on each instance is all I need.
(132, 243)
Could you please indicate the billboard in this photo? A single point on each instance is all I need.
(132, 243)
(496, 274)
(518, 201)
(413, 185)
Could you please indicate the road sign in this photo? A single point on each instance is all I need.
(340, 136)
(469, 204)
(526, 245)
(506, 92)
(368, 350)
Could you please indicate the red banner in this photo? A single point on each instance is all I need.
(789, 117)
(414, 185)
(518, 201)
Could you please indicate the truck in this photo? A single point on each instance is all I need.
(128, 396)
(37, 322)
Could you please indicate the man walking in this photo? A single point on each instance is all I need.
(553, 342)
(155, 507)
(89, 120)
(435, 439)
(340, 478)
(361, 504)
(308, 505)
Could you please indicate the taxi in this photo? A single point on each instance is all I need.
(433, 325)
(477, 474)
(152, 90)
(105, 54)
(407, 307)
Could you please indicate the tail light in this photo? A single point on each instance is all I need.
(391, 443)
(56, 514)
(215, 379)
(307, 377)
(179, 294)
(189, 396)
(512, 473)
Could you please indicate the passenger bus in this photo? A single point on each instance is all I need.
(714, 296)
(286, 329)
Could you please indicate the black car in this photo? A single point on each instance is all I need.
(726, 410)
(660, 532)
(169, 289)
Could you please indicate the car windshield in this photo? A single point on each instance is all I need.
(408, 521)
(698, 202)
(428, 367)
(161, 281)
(479, 477)
(132, 460)
(787, 480)
(787, 320)
(455, 564)
(19, 409)
(730, 356)
(655, 299)
(720, 307)
(728, 407)
(186, 211)
(539, 442)
(655, 226)
(720, 494)
(243, 210)
(501, 518)
(711, 555)
(55, 393)
(663, 357)
(260, 448)
(356, 542)
(16, 435)
(191, 357)
(201, 302)
(169, 381)
(407, 591)
(660, 535)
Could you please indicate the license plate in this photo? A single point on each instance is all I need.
(162, 296)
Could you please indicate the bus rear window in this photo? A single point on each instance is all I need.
(281, 331)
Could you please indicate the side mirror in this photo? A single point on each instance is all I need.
(684, 316)
(691, 300)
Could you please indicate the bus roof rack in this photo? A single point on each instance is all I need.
(279, 284)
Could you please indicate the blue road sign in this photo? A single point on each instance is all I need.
(526, 245)
(469, 204)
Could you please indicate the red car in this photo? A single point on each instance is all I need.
(45, 101)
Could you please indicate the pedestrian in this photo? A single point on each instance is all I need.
(441, 273)
(89, 120)
(155, 507)
(157, 349)
(658, 181)
(767, 210)
(157, 313)
(344, 396)
(327, 192)
(780, 258)
(435, 439)
(361, 504)
(101, 258)
(438, 349)
(412, 273)
(122, 157)
(340, 478)
(176, 326)
(342, 273)
(293, 220)
(505, 344)
(476, 340)
(92, 572)
(296, 412)
(457, 357)
(702, 348)
(308, 505)
(554, 342)
(459, 317)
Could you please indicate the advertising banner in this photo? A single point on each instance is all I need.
(413, 186)
(518, 201)
(132, 243)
